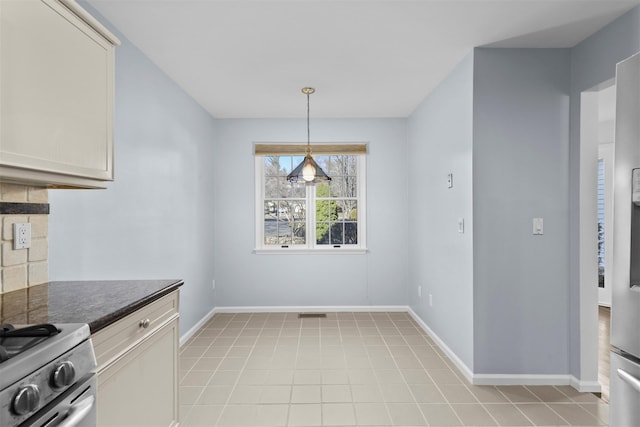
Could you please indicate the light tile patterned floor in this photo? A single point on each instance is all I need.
(364, 369)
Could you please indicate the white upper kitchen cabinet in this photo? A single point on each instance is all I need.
(56, 95)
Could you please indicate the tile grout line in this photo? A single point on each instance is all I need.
(226, 404)
(455, 413)
(201, 356)
(547, 404)
(386, 407)
(353, 409)
(295, 366)
(386, 344)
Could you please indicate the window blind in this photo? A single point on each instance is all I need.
(300, 149)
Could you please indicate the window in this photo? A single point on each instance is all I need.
(601, 222)
(315, 218)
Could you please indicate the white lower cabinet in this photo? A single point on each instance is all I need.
(138, 367)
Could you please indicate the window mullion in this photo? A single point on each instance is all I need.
(259, 201)
(311, 216)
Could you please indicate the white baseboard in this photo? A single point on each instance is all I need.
(313, 309)
(585, 386)
(518, 379)
(195, 328)
(506, 379)
(454, 357)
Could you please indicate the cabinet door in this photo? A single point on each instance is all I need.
(56, 91)
(140, 388)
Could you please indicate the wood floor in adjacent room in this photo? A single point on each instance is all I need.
(604, 349)
(364, 369)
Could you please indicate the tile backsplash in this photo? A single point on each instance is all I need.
(23, 267)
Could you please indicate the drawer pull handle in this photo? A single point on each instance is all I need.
(145, 323)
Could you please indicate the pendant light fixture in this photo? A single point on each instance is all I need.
(308, 171)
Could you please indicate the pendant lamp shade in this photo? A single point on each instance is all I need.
(308, 171)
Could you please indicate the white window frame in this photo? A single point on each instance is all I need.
(311, 247)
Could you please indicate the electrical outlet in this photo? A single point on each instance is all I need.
(430, 300)
(420, 291)
(21, 235)
(213, 284)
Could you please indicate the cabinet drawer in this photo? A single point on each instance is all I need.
(120, 336)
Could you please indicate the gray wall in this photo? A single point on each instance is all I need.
(156, 220)
(592, 62)
(520, 171)
(246, 279)
(441, 259)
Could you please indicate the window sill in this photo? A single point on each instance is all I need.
(307, 251)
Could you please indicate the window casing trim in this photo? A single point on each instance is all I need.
(310, 247)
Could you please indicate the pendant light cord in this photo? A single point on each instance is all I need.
(308, 129)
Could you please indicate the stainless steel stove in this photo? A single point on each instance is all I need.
(47, 376)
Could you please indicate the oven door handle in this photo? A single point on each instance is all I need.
(629, 379)
(78, 412)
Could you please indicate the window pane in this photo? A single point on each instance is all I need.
(284, 222)
(270, 210)
(271, 187)
(299, 233)
(293, 161)
(336, 204)
(347, 210)
(284, 233)
(288, 190)
(344, 186)
(337, 235)
(291, 210)
(322, 190)
(350, 188)
(336, 188)
(341, 228)
(351, 233)
(322, 233)
(272, 166)
(322, 211)
(323, 162)
(280, 165)
(271, 231)
(342, 165)
(343, 172)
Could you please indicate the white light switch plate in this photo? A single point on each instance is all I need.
(538, 226)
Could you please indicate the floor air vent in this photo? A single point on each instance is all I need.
(311, 315)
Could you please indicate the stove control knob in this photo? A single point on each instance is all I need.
(63, 375)
(26, 400)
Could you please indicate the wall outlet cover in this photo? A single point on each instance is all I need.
(21, 235)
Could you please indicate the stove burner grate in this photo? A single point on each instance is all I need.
(14, 341)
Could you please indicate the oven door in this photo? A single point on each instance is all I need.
(76, 407)
(625, 391)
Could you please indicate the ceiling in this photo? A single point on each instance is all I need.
(366, 58)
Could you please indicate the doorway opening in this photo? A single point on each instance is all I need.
(596, 230)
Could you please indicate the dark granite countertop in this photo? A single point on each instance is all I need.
(98, 303)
